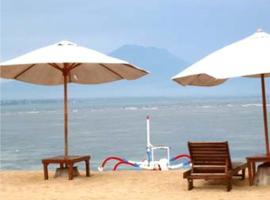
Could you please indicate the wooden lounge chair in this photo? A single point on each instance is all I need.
(211, 160)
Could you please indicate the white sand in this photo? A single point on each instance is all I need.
(29, 185)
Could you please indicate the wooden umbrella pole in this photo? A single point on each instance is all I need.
(65, 112)
(265, 115)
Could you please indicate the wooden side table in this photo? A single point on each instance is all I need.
(251, 162)
(67, 161)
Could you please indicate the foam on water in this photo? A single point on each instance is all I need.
(131, 108)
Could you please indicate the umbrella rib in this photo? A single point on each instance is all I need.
(56, 66)
(71, 67)
(130, 66)
(25, 70)
(74, 66)
(106, 67)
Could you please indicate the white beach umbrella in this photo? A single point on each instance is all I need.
(65, 62)
(249, 57)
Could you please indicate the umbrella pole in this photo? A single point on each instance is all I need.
(265, 115)
(65, 114)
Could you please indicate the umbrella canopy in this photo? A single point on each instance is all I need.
(66, 62)
(248, 57)
(85, 66)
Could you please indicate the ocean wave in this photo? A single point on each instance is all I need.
(206, 106)
(131, 108)
(150, 108)
(51, 111)
(7, 113)
(32, 112)
(252, 105)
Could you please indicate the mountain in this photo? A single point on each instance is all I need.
(160, 62)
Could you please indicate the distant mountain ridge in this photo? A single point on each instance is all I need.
(158, 61)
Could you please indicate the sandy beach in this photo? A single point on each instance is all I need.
(120, 185)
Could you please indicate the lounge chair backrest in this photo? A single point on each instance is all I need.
(210, 156)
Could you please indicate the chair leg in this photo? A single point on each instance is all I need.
(190, 184)
(243, 174)
(229, 184)
(70, 171)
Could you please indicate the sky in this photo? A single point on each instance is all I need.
(188, 29)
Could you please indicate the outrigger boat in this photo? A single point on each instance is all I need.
(166, 163)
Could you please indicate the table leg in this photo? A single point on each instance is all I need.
(249, 173)
(87, 168)
(70, 171)
(61, 165)
(253, 171)
(45, 169)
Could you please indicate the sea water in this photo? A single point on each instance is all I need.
(33, 129)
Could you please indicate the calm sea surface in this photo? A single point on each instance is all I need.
(31, 130)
